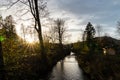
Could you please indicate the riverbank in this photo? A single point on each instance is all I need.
(31, 67)
(100, 67)
(95, 64)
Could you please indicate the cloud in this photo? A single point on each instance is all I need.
(2, 8)
(80, 12)
(100, 10)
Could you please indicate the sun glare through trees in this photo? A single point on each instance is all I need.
(30, 40)
(59, 40)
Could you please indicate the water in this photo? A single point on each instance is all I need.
(66, 69)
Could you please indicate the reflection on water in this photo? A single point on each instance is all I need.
(67, 69)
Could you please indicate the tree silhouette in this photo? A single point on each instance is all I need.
(23, 32)
(2, 72)
(59, 29)
(90, 32)
(9, 26)
(35, 7)
(118, 28)
(99, 30)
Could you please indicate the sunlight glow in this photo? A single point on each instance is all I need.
(30, 40)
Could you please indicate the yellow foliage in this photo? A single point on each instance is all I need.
(85, 48)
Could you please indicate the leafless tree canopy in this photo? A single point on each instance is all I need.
(118, 28)
(99, 30)
(59, 29)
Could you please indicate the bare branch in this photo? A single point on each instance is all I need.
(25, 13)
(24, 19)
(31, 8)
(36, 26)
(13, 4)
(24, 3)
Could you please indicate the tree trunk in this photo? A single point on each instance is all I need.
(2, 72)
(43, 54)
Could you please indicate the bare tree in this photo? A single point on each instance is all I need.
(23, 31)
(8, 26)
(99, 30)
(118, 28)
(46, 37)
(84, 38)
(52, 34)
(33, 4)
(60, 30)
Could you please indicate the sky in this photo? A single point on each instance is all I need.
(77, 13)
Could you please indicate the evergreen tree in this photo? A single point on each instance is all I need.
(89, 32)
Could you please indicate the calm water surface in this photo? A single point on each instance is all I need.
(66, 69)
